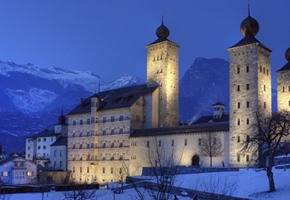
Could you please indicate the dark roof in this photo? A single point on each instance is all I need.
(112, 99)
(218, 103)
(44, 133)
(285, 67)
(249, 40)
(61, 141)
(210, 119)
(11, 158)
(161, 40)
(195, 128)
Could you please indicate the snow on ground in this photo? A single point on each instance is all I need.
(245, 183)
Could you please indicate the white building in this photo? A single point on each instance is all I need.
(38, 146)
(17, 170)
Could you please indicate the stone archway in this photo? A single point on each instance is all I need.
(195, 160)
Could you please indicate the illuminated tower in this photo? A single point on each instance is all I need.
(162, 69)
(283, 76)
(250, 90)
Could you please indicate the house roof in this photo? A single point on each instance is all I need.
(61, 141)
(112, 99)
(210, 119)
(249, 40)
(12, 158)
(189, 129)
(44, 133)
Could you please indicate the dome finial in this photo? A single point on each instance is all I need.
(162, 31)
(249, 26)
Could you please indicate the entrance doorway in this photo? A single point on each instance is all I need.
(195, 160)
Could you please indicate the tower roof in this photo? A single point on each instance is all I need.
(287, 56)
(249, 28)
(162, 32)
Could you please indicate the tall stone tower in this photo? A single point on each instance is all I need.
(162, 69)
(250, 90)
(283, 76)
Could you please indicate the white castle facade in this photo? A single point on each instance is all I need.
(121, 131)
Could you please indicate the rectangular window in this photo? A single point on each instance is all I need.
(112, 119)
(238, 158)
(54, 153)
(5, 173)
(238, 88)
(44, 139)
(38, 147)
(264, 87)
(104, 119)
(239, 105)
(283, 90)
(238, 70)
(121, 118)
(81, 169)
(112, 170)
(74, 123)
(247, 69)
(248, 138)
(288, 88)
(88, 121)
(74, 169)
(199, 141)
(44, 147)
(88, 170)
(147, 144)
(81, 122)
(248, 158)
(185, 142)
(29, 173)
(248, 86)
(104, 170)
(159, 143)
(265, 105)
(172, 143)
(248, 121)
(238, 122)
(248, 104)
(238, 139)
(121, 131)
(261, 68)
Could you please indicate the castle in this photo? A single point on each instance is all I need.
(121, 131)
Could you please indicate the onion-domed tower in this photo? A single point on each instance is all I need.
(61, 126)
(162, 70)
(283, 78)
(250, 90)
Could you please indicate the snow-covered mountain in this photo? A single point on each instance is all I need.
(28, 93)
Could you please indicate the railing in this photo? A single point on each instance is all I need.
(40, 157)
(98, 134)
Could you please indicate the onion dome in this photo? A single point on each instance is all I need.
(62, 120)
(162, 32)
(249, 27)
(287, 54)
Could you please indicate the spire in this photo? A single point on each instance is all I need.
(162, 13)
(249, 8)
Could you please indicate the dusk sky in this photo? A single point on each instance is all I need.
(109, 37)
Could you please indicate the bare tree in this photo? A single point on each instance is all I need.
(79, 192)
(266, 140)
(210, 146)
(121, 174)
(163, 163)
